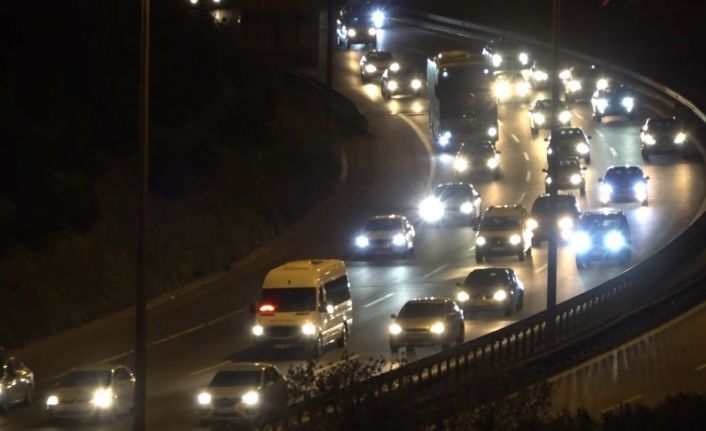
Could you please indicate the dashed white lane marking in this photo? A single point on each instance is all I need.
(528, 176)
(613, 152)
(515, 138)
(526, 155)
(522, 198)
(436, 270)
(540, 269)
(203, 370)
(370, 304)
(427, 146)
(580, 117)
(322, 369)
(700, 367)
(198, 327)
(600, 133)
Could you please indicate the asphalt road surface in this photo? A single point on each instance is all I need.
(193, 334)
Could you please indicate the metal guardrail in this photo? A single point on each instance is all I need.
(544, 334)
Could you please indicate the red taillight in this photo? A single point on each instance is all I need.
(267, 309)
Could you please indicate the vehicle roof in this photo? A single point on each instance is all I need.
(547, 104)
(388, 217)
(603, 212)
(245, 366)
(303, 273)
(96, 368)
(428, 300)
(457, 57)
(454, 185)
(565, 197)
(622, 168)
(491, 269)
(376, 53)
(502, 210)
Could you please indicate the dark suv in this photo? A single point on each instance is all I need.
(602, 235)
(562, 211)
(497, 288)
(565, 173)
(569, 141)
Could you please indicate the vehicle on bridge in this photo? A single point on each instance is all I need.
(16, 382)
(353, 29)
(615, 100)
(504, 231)
(623, 184)
(401, 81)
(390, 234)
(569, 141)
(461, 101)
(305, 303)
(540, 115)
(539, 74)
(565, 173)
(92, 391)
(558, 213)
(511, 87)
(426, 322)
(240, 392)
(583, 82)
(477, 157)
(503, 56)
(602, 235)
(374, 62)
(491, 288)
(662, 135)
(452, 201)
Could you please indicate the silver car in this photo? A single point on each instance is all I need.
(16, 383)
(242, 391)
(386, 234)
(427, 322)
(92, 391)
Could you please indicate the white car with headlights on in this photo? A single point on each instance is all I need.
(662, 135)
(374, 62)
(511, 87)
(426, 322)
(491, 288)
(602, 235)
(615, 100)
(92, 391)
(385, 234)
(569, 141)
(242, 391)
(399, 80)
(583, 82)
(352, 29)
(477, 157)
(452, 201)
(504, 230)
(540, 115)
(565, 173)
(623, 184)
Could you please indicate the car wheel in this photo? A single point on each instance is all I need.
(410, 349)
(528, 252)
(348, 45)
(644, 203)
(29, 396)
(343, 341)
(521, 256)
(536, 242)
(534, 132)
(445, 346)
(394, 348)
(520, 301)
(410, 252)
(508, 311)
(645, 156)
(582, 191)
(497, 175)
(580, 264)
(598, 118)
(479, 258)
(318, 347)
(588, 160)
(461, 334)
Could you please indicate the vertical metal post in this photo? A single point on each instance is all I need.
(552, 255)
(330, 35)
(141, 294)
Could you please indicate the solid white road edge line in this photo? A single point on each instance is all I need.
(370, 304)
(436, 270)
(203, 370)
(427, 146)
(540, 269)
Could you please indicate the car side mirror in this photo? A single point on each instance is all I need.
(544, 170)
(498, 151)
(252, 308)
(583, 168)
(393, 316)
(647, 178)
(546, 139)
(589, 137)
(458, 283)
(475, 228)
(600, 180)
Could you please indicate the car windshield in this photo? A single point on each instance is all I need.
(479, 148)
(422, 309)
(85, 378)
(663, 124)
(452, 191)
(235, 378)
(378, 56)
(290, 299)
(383, 224)
(546, 205)
(623, 174)
(600, 222)
(509, 77)
(356, 21)
(500, 223)
(486, 277)
(568, 135)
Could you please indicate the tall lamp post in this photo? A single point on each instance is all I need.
(141, 292)
(552, 252)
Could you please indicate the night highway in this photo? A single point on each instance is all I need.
(194, 332)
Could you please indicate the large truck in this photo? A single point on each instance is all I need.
(461, 101)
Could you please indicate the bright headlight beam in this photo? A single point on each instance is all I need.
(582, 148)
(648, 139)
(466, 208)
(258, 330)
(395, 67)
(462, 296)
(680, 138)
(392, 85)
(497, 60)
(431, 209)
(523, 58)
(581, 242)
(52, 400)
(378, 17)
(460, 164)
(416, 84)
(480, 240)
(575, 179)
(492, 163)
(500, 295)
(352, 32)
(601, 84)
(372, 31)
(538, 118)
(204, 398)
(565, 116)
(362, 241)
(437, 328)
(395, 329)
(308, 329)
(515, 239)
(102, 398)
(492, 131)
(614, 240)
(250, 398)
(399, 240)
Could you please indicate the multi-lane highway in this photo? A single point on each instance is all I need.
(194, 333)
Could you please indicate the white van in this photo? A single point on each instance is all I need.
(304, 303)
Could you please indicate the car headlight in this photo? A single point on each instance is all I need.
(565, 223)
(522, 89)
(394, 329)
(378, 17)
(395, 67)
(492, 131)
(538, 118)
(52, 400)
(362, 241)
(628, 103)
(431, 209)
(250, 398)
(601, 105)
(565, 116)
(648, 139)
(480, 240)
(640, 190)
(352, 32)
(102, 398)
(437, 328)
(574, 86)
(497, 60)
(193, 1)
(540, 75)
(204, 399)
(462, 296)
(392, 85)
(399, 240)
(444, 139)
(460, 164)
(614, 240)
(492, 163)
(308, 329)
(575, 179)
(532, 224)
(500, 295)
(372, 31)
(502, 90)
(582, 148)
(416, 84)
(565, 74)
(466, 207)
(258, 330)
(548, 180)
(581, 242)
(550, 150)
(680, 138)
(370, 68)
(523, 58)
(515, 239)
(601, 84)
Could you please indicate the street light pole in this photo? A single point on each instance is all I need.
(141, 293)
(329, 62)
(552, 253)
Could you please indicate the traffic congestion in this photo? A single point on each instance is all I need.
(500, 183)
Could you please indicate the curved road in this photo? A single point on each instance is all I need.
(194, 333)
